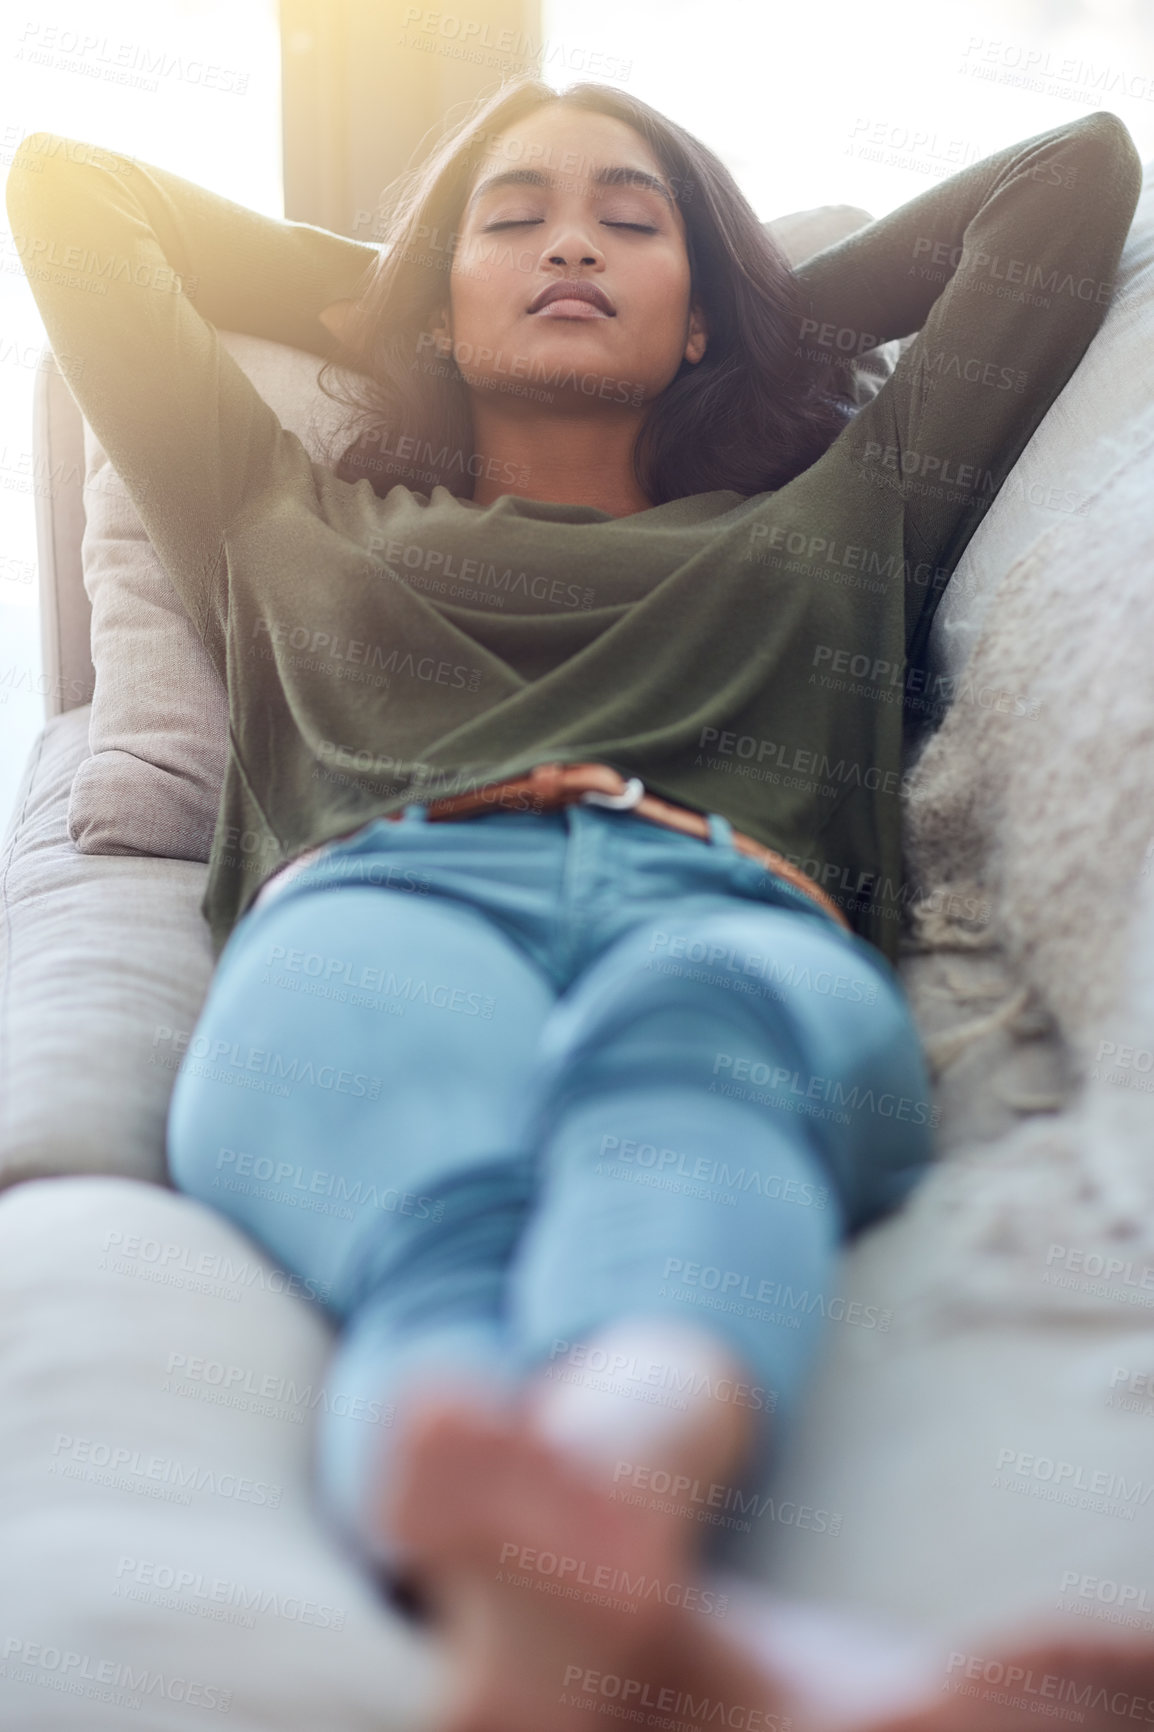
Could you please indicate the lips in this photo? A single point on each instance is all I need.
(574, 289)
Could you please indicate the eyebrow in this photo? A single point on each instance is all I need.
(618, 175)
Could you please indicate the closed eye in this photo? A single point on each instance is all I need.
(531, 222)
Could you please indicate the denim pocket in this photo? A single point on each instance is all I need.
(762, 884)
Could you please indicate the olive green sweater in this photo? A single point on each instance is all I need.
(751, 656)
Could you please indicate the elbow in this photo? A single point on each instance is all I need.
(36, 150)
(43, 152)
(1111, 129)
(1095, 160)
(48, 178)
(1110, 152)
(29, 169)
(37, 144)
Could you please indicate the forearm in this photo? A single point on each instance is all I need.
(882, 281)
(1017, 291)
(134, 270)
(241, 270)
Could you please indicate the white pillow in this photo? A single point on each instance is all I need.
(159, 727)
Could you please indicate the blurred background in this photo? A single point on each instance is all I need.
(307, 109)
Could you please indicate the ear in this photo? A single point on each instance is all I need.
(698, 338)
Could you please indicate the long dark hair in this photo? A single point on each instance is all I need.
(752, 414)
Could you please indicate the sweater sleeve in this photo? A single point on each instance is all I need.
(134, 269)
(1005, 271)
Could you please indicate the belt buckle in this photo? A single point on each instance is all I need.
(631, 795)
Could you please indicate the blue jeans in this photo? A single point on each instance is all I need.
(487, 1086)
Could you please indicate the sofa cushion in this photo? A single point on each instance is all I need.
(159, 717)
(161, 1545)
(102, 961)
(967, 1411)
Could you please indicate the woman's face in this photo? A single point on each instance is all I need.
(568, 196)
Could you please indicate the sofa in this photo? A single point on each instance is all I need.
(973, 1454)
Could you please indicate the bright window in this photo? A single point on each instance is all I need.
(839, 102)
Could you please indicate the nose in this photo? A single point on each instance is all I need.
(573, 245)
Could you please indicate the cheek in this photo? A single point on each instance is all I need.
(484, 298)
(663, 292)
(666, 313)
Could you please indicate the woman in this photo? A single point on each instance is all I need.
(611, 837)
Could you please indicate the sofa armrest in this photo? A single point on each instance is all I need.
(104, 964)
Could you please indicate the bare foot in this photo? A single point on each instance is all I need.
(558, 1603)
(677, 1457)
(1102, 1683)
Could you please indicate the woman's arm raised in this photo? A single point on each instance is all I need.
(134, 269)
(1005, 270)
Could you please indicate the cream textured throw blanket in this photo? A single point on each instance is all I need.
(1035, 800)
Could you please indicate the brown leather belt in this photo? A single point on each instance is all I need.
(547, 787)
